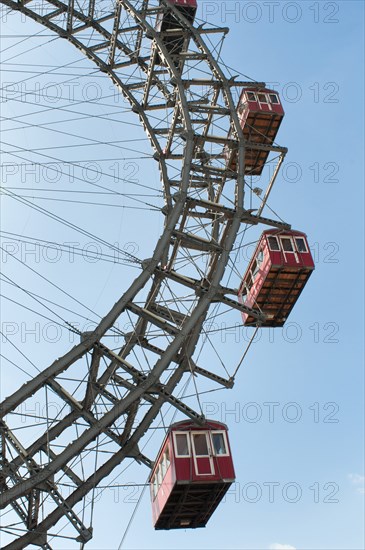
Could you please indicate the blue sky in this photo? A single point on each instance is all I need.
(296, 413)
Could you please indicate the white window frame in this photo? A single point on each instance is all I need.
(221, 432)
(163, 466)
(277, 241)
(266, 102)
(249, 281)
(277, 97)
(244, 293)
(155, 486)
(175, 444)
(255, 271)
(255, 95)
(290, 239)
(159, 475)
(167, 458)
(286, 252)
(209, 455)
(305, 245)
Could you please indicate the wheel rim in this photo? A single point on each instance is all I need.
(199, 196)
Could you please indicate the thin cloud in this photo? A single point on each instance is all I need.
(358, 481)
(277, 546)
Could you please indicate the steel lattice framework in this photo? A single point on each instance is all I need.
(197, 123)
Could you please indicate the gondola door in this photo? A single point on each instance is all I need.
(289, 251)
(202, 454)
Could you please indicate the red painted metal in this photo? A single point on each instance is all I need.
(260, 114)
(192, 473)
(280, 268)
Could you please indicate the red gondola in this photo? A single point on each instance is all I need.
(260, 113)
(192, 473)
(279, 270)
(167, 23)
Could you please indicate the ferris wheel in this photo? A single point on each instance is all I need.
(167, 66)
